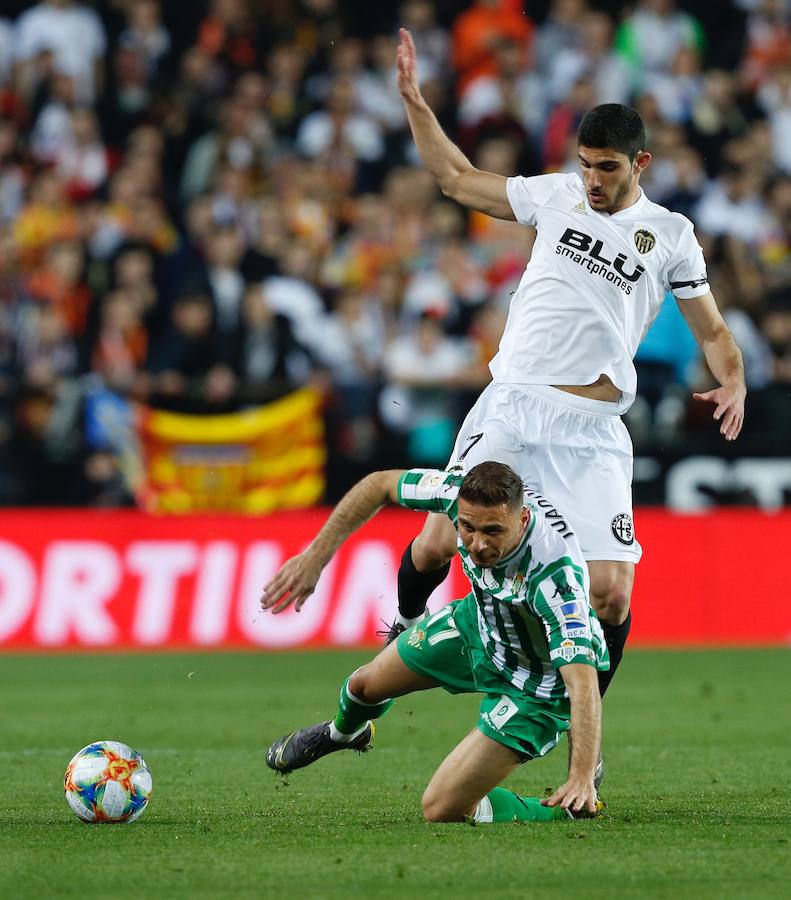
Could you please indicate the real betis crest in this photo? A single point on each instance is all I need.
(644, 240)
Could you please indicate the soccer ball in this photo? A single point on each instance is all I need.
(107, 781)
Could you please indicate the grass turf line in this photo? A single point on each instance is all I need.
(696, 745)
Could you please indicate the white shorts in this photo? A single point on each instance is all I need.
(575, 451)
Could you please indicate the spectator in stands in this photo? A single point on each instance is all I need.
(774, 96)
(501, 246)
(53, 127)
(129, 94)
(432, 42)
(12, 173)
(271, 361)
(768, 41)
(188, 369)
(678, 90)
(377, 91)
(224, 250)
(146, 35)
(6, 51)
(449, 291)
(775, 247)
(340, 136)
(82, 160)
(45, 350)
(420, 367)
(286, 104)
(716, 118)
(121, 343)
(559, 33)
(478, 31)
(134, 268)
(367, 245)
(591, 56)
(560, 135)
(689, 178)
(733, 205)
(242, 140)
(71, 35)
(60, 284)
(776, 328)
(351, 351)
(46, 217)
(649, 37)
(229, 33)
(43, 457)
(294, 295)
(513, 89)
(135, 212)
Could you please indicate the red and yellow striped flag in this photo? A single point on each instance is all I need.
(253, 462)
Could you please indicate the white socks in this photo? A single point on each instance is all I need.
(408, 623)
(340, 738)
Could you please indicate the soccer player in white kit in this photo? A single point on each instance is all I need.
(603, 260)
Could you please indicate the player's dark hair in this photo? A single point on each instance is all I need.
(492, 484)
(613, 125)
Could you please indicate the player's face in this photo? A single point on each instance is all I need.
(611, 178)
(490, 533)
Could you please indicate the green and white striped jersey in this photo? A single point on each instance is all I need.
(533, 611)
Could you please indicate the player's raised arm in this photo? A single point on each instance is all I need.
(455, 174)
(579, 793)
(724, 359)
(297, 577)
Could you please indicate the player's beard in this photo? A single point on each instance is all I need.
(621, 191)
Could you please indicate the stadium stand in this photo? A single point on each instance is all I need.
(202, 213)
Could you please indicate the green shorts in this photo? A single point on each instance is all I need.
(446, 648)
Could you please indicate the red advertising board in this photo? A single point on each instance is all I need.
(118, 579)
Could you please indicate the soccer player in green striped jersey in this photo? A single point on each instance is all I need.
(525, 637)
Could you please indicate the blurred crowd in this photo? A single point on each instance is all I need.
(203, 212)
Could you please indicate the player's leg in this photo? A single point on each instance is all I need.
(370, 691)
(466, 786)
(584, 466)
(485, 434)
(366, 695)
(424, 566)
(611, 592)
(607, 536)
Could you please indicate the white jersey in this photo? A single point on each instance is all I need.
(593, 286)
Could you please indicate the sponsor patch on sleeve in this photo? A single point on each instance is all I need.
(568, 651)
(575, 615)
(431, 480)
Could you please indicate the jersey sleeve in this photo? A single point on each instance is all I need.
(430, 490)
(528, 195)
(573, 632)
(686, 273)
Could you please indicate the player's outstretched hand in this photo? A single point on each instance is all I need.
(294, 583)
(729, 410)
(577, 794)
(406, 58)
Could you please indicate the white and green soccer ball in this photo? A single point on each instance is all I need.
(107, 782)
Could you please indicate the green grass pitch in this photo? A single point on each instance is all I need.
(697, 748)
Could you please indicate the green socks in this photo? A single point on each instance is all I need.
(500, 805)
(353, 714)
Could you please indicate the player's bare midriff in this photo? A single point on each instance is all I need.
(601, 389)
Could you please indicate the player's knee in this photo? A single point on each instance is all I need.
(436, 808)
(611, 600)
(367, 684)
(432, 551)
(360, 685)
